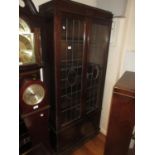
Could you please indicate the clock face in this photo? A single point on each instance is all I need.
(26, 55)
(33, 94)
(26, 44)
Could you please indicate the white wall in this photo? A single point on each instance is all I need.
(121, 57)
(128, 48)
(87, 2)
(39, 2)
(117, 7)
(112, 69)
(128, 62)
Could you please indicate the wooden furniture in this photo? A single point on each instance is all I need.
(122, 116)
(34, 108)
(75, 42)
(24, 136)
(39, 149)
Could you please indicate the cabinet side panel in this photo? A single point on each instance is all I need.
(121, 125)
(48, 60)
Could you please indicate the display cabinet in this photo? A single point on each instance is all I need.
(75, 42)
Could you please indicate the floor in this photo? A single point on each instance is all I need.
(95, 147)
(92, 147)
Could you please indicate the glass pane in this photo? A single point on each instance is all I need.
(26, 44)
(99, 43)
(72, 42)
(98, 47)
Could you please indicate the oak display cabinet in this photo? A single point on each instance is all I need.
(75, 42)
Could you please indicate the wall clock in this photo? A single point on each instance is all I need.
(32, 96)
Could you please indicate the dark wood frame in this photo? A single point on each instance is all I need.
(52, 12)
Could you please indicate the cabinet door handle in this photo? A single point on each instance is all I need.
(41, 115)
(64, 27)
(69, 47)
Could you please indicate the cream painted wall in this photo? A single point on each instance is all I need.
(87, 2)
(117, 7)
(39, 2)
(112, 69)
(128, 49)
(121, 58)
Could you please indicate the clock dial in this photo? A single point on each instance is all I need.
(26, 44)
(33, 94)
(26, 51)
(23, 26)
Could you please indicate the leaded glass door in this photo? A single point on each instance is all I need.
(72, 55)
(99, 33)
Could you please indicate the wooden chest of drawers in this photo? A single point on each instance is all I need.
(122, 116)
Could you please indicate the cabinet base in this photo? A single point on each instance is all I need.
(71, 137)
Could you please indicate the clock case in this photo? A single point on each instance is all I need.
(31, 72)
(35, 121)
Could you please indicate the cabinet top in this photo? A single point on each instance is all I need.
(50, 7)
(126, 84)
